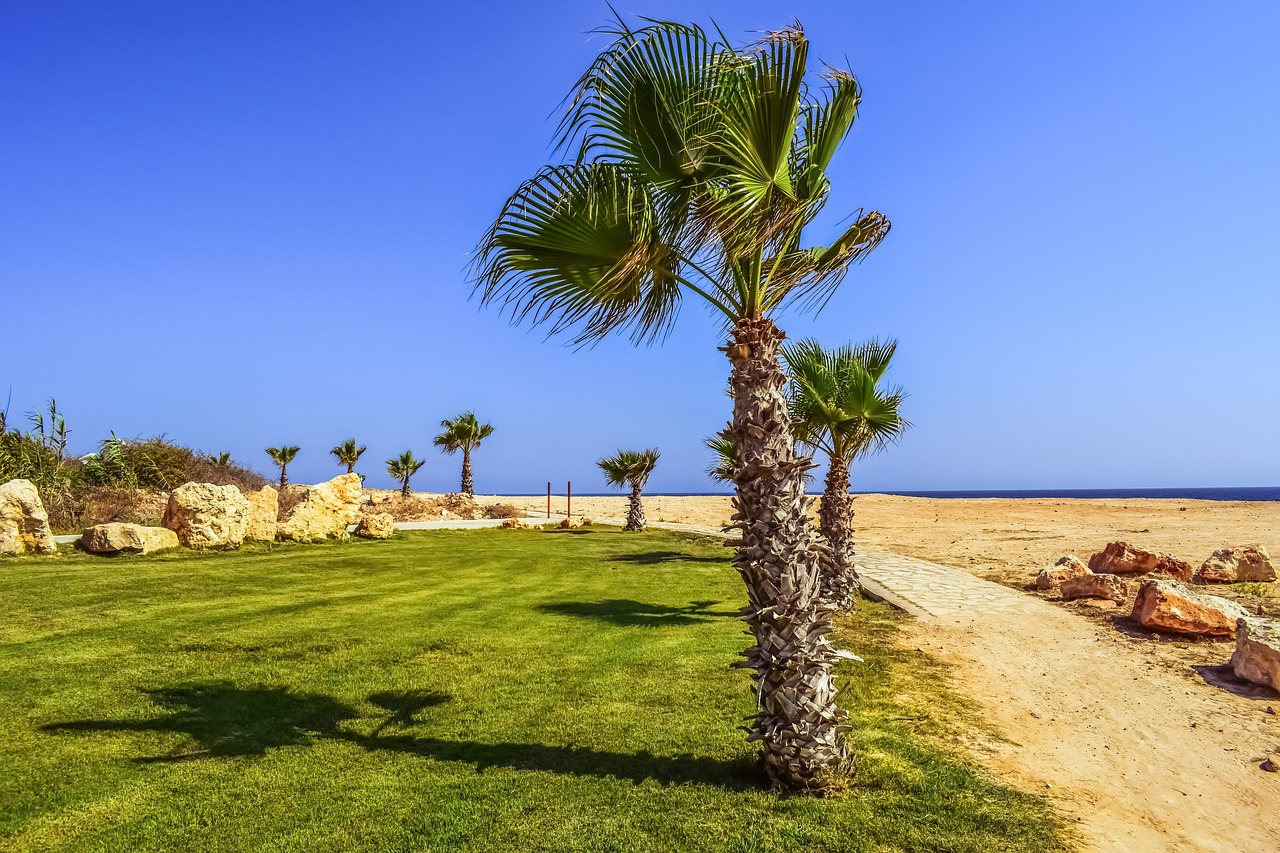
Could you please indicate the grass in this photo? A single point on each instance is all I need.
(463, 690)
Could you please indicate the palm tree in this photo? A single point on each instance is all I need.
(463, 433)
(282, 456)
(402, 468)
(348, 454)
(694, 168)
(223, 459)
(837, 405)
(631, 468)
(726, 458)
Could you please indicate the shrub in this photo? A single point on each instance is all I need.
(501, 511)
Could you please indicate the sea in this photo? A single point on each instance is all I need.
(1224, 493)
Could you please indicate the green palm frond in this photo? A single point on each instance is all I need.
(282, 455)
(404, 466)
(629, 467)
(464, 432)
(836, 401)
(725, 465)
(348, 453)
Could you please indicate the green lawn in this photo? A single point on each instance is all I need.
(464, 690)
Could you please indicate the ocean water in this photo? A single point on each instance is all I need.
(1224, 493)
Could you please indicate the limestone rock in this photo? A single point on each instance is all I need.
(24, 525)
(117, 536)
(1089, 585)
(324, 512)
(1257, 654)
(1243, 563)
(376, 525)
(1121, 558)
(587, 521)
(208, 517)
(1166, 605)
(569, 523)
(513, 523)
(1066, 568)
(264, 508)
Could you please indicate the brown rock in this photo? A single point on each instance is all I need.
(513, 523)
(116, 536)
(24, 525)
(1166, 605)
(1243, 563)
(324, 512)
(1089, 585)
(264, 508)
(1121, 558)
(1066, 568)
(208, 517)
(569, 523)
(1257, 654)
(376, 525)
(587, 521)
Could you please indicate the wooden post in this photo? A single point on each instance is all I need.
(548, 499)
(568, 490)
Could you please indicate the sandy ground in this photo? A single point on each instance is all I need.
(1149, 743)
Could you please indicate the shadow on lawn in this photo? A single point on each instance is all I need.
(628, 613)
(654, 558)
(225, 720)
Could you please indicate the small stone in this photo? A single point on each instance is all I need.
(1090, 585)
(1269, 764)
(376, 525)
(1067, 567)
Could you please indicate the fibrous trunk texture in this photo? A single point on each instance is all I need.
(840, 584)
(468, 488)
(797, 724)
(404, 489)
(635, 515)
(284, 476)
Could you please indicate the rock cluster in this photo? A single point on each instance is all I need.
(1121, 558)
(24, 525)
(116, 536)
(325, 511)
(208, 517)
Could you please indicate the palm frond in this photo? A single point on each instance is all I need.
(629, 467)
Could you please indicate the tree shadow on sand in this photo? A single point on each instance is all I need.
(225, 720)
(633, 614)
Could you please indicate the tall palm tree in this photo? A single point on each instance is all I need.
(463, 433)
(631, 468)
(402, 468)
(693, 168)
(282, 456)
(838, 405)
(348, 454)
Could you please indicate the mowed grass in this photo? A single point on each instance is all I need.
(454, 690)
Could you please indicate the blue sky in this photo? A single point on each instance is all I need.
(246, 224)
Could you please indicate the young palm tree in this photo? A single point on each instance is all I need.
(282, 456)
(463, 433)
(693, 168)
(402, 468)
(631, 468)
(348, 454)
(223, 459)
(837, 405)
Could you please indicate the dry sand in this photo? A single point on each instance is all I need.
(1147, 742)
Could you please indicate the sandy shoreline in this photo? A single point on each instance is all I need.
(1001, 539)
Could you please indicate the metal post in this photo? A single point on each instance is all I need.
(548, 499)
(568, 490)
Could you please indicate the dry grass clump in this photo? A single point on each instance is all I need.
(422, 506)
(501, 511)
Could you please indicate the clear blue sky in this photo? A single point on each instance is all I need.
(245, 224)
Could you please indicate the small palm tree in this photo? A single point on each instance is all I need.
(465, 432)
(631, 468)
(838, 405)
(402, 468)
(348, 454)
(282, 456)
(223, 459)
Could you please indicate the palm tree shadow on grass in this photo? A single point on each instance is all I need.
(228, 721)
(656, 558)
(628, 613)
(225, 720)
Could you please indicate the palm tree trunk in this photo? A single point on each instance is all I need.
(284, 476)
(351, 467)
(840, 583)
(797, 722)
(404, 488)
(635, 515)
(468, 488)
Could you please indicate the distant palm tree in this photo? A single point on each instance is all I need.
(402, 468)
(631, 468)
(837, 405)
(348, 454)
(282, 456)
(463, 433)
